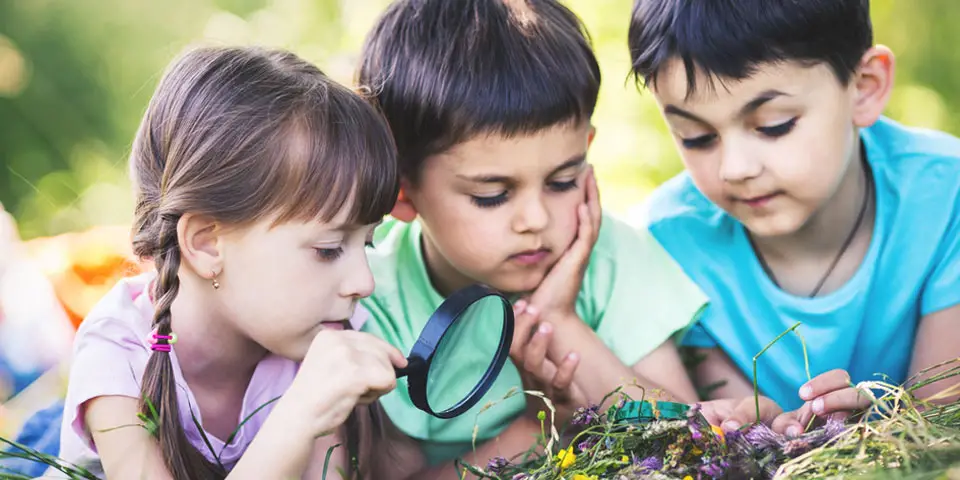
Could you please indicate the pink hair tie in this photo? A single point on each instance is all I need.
(156, 338)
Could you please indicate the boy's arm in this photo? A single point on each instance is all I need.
(716, 369)
(937, 341)
(663, 366)
(601, 371)
(938, 333)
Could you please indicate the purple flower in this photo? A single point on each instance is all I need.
(712, 470)
(587, 444)
(761, 436)
(651, 463)
(496, 465)
(586, 416)
(833, 427)
(521, 476)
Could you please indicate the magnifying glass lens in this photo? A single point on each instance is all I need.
(465, 354)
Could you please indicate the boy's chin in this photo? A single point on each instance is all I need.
(773, 226)
(517, 283)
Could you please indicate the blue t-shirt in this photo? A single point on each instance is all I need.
(867, 326)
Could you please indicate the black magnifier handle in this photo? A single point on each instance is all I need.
(414, 364)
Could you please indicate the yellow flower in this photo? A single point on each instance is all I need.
(566, 457)
(696, 451)
(581, 476)
(624, 459)
(688, 477)
(719, 432)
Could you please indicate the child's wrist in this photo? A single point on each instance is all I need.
(561, 317)
(299, 418)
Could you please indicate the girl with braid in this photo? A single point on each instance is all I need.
(258, 183)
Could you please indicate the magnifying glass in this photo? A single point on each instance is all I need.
(475, 317)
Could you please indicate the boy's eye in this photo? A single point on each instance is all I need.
(778, 130)
(562, 186)
(700, 142)
(489, 202)
(329, 254)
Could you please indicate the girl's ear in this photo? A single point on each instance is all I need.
(404, 210)
(200, 240)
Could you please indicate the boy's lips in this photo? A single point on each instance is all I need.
(758, 201)
(530, 257)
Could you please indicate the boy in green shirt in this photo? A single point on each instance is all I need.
(490, 104)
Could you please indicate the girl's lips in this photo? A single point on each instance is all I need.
(335, 325)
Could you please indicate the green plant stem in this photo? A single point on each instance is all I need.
(756, 387)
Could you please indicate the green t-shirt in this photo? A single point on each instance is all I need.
(633, 295)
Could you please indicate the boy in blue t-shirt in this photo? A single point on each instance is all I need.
(800, 202)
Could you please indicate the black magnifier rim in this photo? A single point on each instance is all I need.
(422, 353)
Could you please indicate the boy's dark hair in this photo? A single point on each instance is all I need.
(443, 72)
(730, 39)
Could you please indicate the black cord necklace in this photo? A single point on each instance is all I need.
(867, 194)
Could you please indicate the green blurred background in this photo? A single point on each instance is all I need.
(76, 75)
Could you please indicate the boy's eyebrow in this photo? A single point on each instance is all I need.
(759, 100)
(747, 109)
(574, 161)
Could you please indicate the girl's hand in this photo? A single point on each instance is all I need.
(342, 369)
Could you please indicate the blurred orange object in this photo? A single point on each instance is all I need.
(84, 266)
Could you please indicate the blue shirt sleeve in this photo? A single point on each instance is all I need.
(942, 289)
(696, 335)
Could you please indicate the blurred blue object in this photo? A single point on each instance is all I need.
(40, 433)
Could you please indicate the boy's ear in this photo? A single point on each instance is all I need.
(200, 244)
(404, 210)
(590, 134)
(873, 84)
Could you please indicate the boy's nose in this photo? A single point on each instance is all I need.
(738, 163)
(532, 216)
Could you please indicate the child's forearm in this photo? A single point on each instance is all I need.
(600, 371)
(517, 439)
(281, 450)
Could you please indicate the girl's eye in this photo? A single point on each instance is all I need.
(698, 143)
(562, 186)
(329, 254)
(489, 202)
(778, 130)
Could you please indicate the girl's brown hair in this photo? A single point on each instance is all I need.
(241, 135)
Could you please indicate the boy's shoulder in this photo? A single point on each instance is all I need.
(888, 141)
(918, 167)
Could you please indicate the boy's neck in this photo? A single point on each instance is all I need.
(828, 231)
